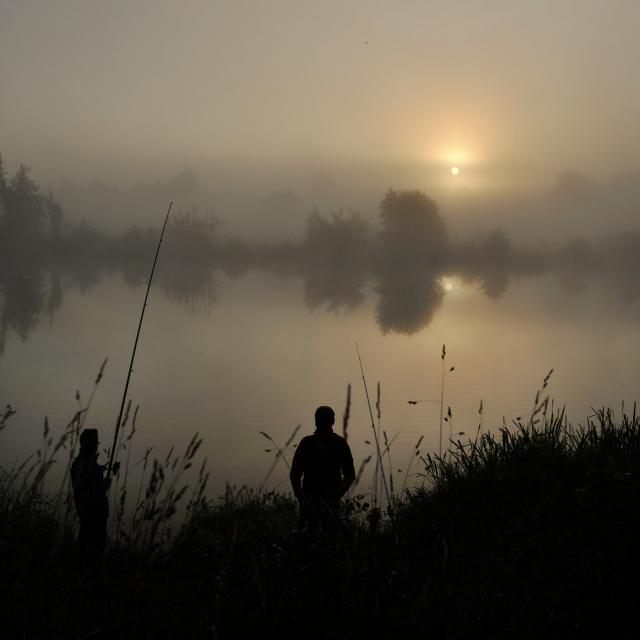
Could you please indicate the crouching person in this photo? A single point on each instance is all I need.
(90, 495)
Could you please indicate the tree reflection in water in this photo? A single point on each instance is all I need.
(404, 262)
(22, 301)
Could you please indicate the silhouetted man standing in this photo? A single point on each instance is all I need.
(322, 471)
(90, 495)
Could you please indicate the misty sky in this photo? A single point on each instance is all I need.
(264, 109)
(511, 90)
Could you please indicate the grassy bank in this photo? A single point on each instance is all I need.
(531, 532)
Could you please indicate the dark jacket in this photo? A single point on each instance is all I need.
(89, 487)
(322, 462)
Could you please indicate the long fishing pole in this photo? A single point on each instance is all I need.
(375, 435)
(135, 345)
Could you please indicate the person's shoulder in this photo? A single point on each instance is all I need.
(342, 444)
(336, 437)
(305, 441)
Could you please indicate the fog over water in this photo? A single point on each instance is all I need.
(278, 130)
(252, 341)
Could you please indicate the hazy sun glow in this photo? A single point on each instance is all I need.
(457, 155)
(455, 171)
(452, 284)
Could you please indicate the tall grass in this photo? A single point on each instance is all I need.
(144, 522)
(445, 372)
(527, 530)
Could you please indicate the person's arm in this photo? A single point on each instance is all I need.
(297, 470)
(104, 482)
(348, 470)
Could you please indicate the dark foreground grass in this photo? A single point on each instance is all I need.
(531, 533)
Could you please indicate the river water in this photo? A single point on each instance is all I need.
(259, 352)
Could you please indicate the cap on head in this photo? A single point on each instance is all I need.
(89, 439)
(325, 417)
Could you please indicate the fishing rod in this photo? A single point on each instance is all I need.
(375, 434)
(135, 345)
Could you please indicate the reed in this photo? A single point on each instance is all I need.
(280, 453)
(415, 454)
(507, 526)
(445, 372)
(376, 437)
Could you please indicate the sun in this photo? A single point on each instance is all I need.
(448, 285)
(455, 171)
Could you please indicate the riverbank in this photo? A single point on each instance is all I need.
(531, 532)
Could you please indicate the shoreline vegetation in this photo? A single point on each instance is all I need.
(530, 531)
(407, 254)
(527, 530)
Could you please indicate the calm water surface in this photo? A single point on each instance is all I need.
(253, 356)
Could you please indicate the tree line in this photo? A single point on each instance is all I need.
(407, 255)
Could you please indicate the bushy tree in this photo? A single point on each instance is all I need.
(412, 227)
(339, 239)
(191, 236)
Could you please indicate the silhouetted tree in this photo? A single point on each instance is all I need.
(23, 210)
(412, 229)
